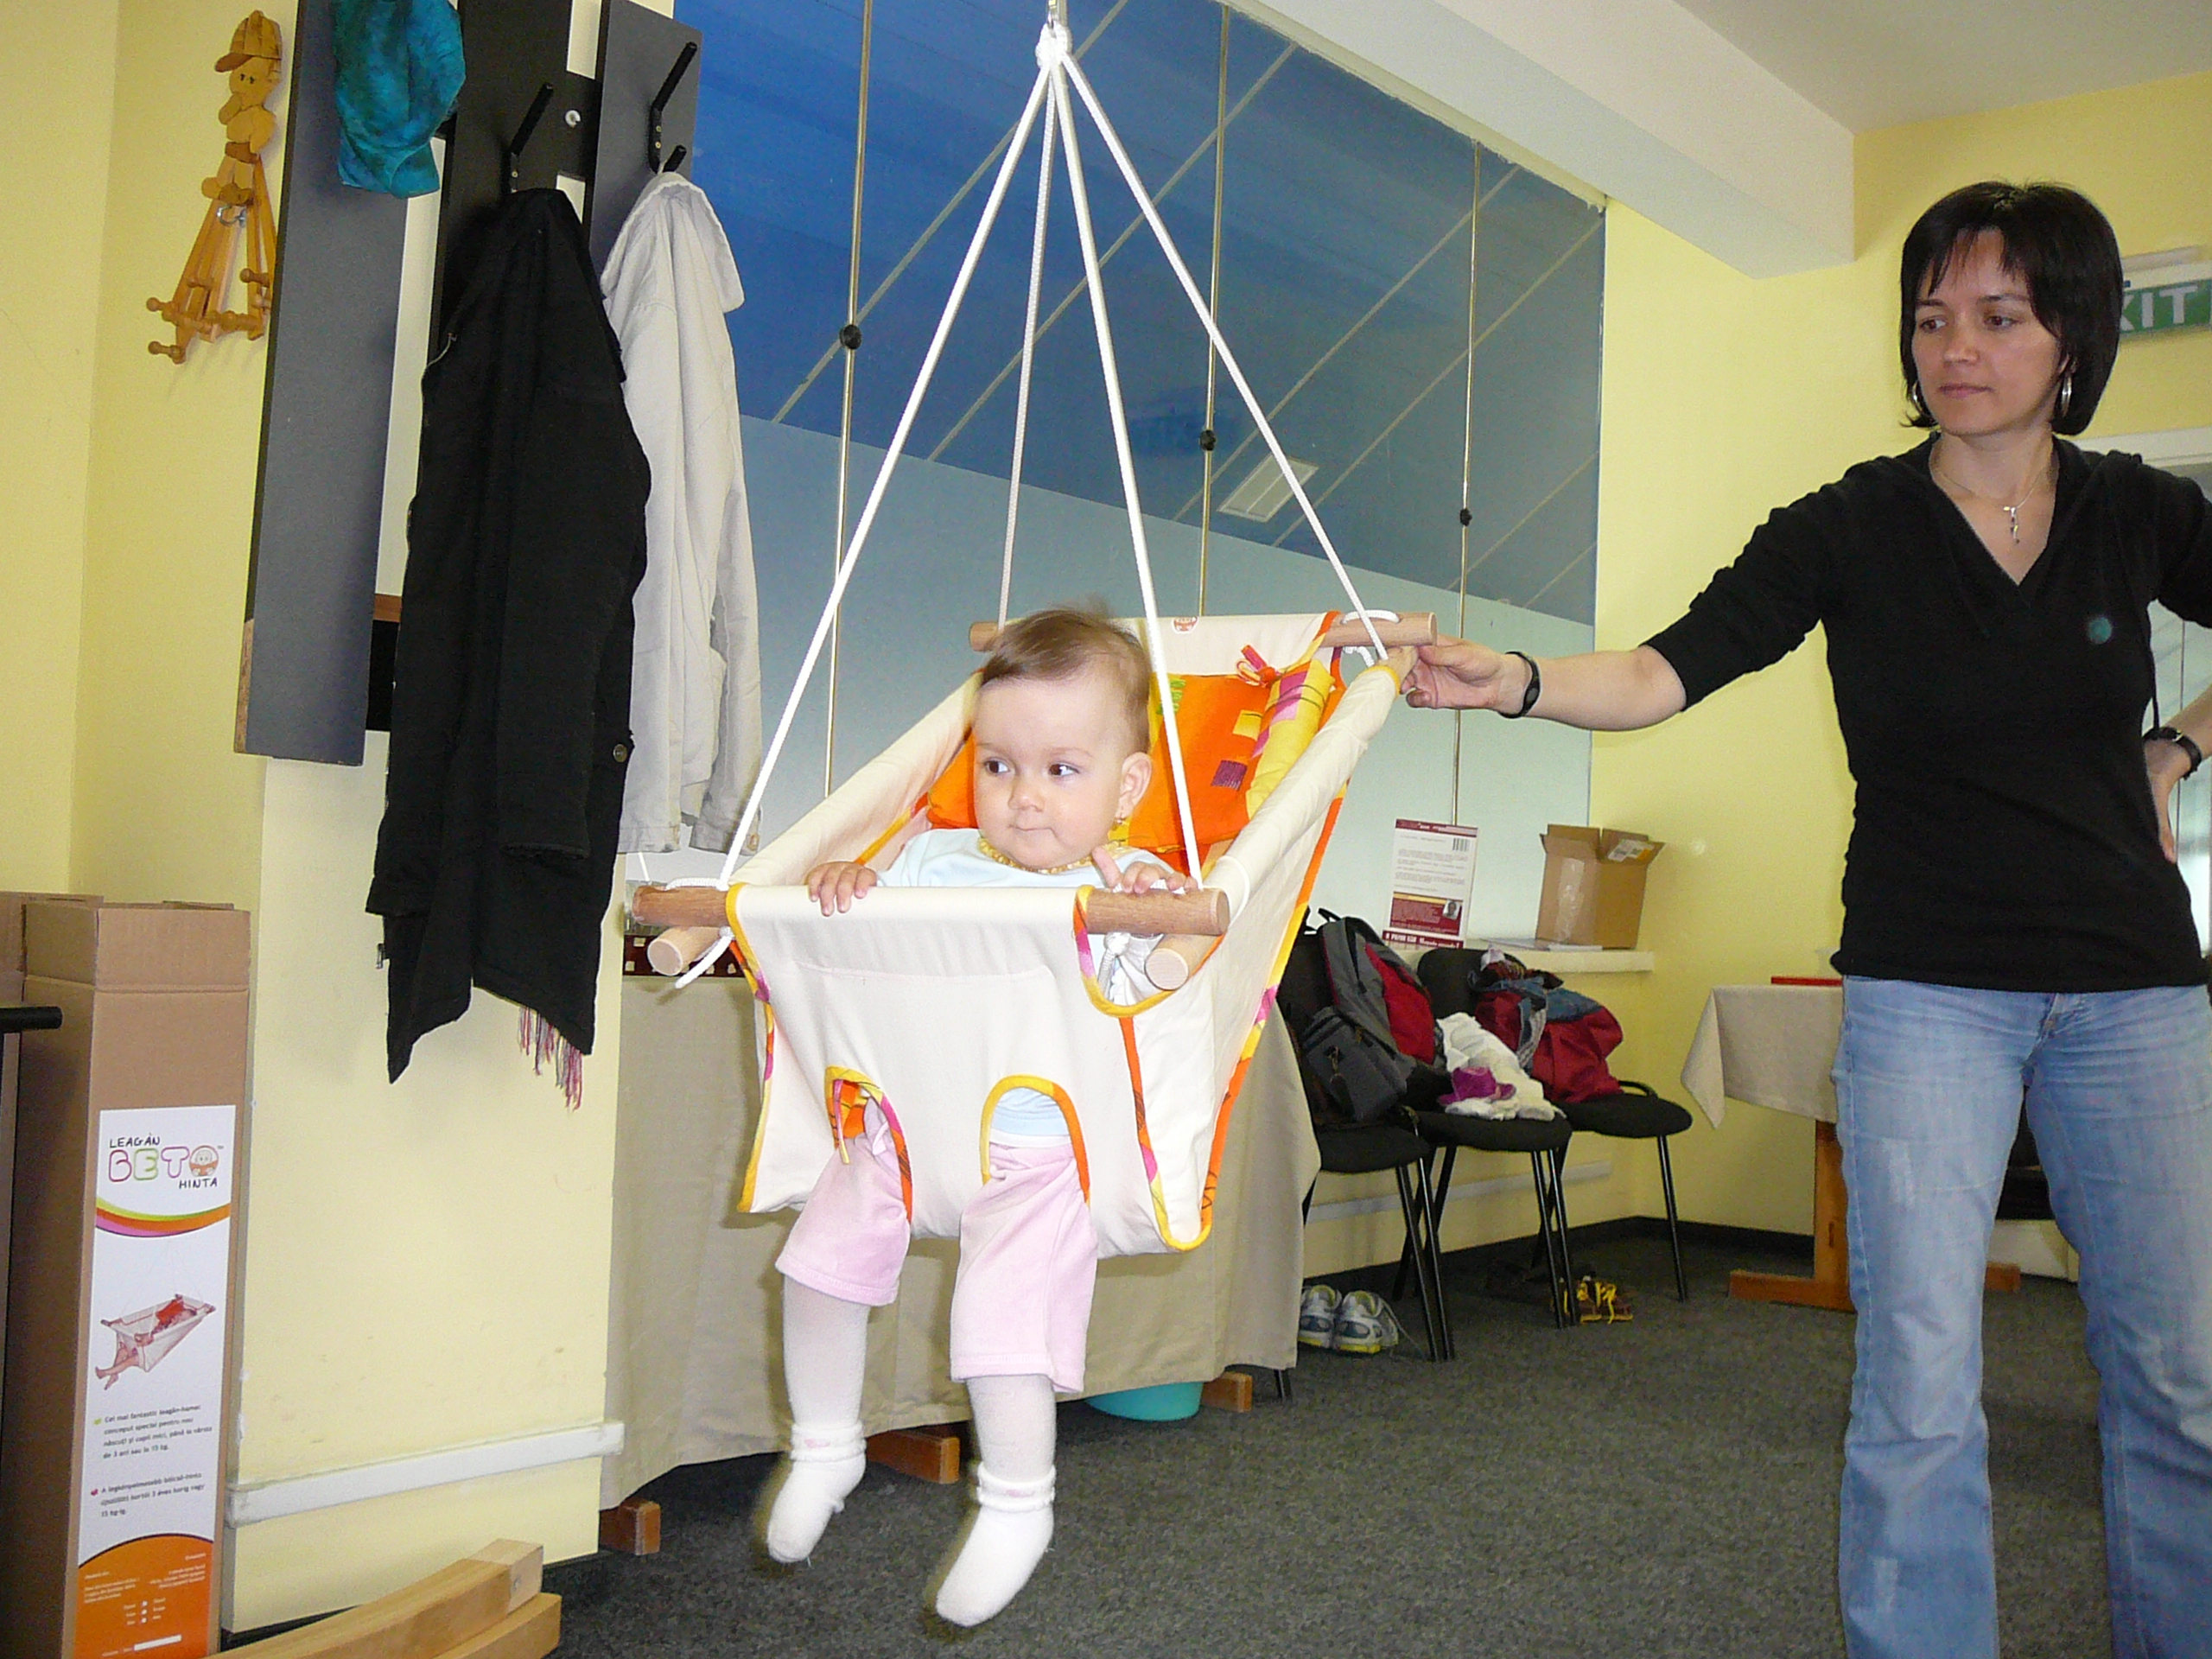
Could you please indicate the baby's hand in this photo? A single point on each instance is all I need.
(1140, 877)
(835, 885)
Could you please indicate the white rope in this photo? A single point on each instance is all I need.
(883, 474)
(1070, 71)
(1028, 352)
(1060, 70)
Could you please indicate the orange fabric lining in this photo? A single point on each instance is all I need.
(1224, 721)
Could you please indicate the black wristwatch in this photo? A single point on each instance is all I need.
(2181, 740)
(1535, 687)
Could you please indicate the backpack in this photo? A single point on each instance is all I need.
(1365, 1035)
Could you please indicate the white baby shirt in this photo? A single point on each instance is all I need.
(956, 858)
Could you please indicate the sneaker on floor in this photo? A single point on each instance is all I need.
(1365, 1325)
(1317, 1317)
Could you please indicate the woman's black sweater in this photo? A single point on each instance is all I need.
(2005, 836)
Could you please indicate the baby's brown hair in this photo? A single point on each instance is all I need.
(1067, 641)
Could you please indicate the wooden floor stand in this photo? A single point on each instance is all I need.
(931, 1453)
(1830, 1286)
(489, 1606)
(531, 1631)
(632, 1527)
(1231, 1391)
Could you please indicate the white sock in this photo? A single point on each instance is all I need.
(825, 1354)
(1013, 1526)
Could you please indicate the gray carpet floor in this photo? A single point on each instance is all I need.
(1662, 1487)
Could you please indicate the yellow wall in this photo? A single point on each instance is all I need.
(426, 1261)
(163, 808)
(57, 79)
(1724, 398)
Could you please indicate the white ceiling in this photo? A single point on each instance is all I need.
(1881, 63)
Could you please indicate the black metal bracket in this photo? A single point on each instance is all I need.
(511, 180)
(523, 120)
(649, 76)
(683, 60)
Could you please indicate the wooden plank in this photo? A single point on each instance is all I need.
(1793, 1288)
(531, 1631)
(632, 1527)
(931, 1453)
(429, 1618)
(1202, 911)
(2002, 1276)
(525, 1565)
(1231, 1391)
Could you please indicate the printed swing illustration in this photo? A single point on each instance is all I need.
(931, 1003)
(144, 1339)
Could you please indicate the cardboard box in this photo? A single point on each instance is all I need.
(12, 905)
(1593, 886)
(115, 1434)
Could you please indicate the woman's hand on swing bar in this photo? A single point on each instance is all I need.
(1461, 674)
(1140, 877)
(834, 885)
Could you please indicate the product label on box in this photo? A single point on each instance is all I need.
(153, 1447)
(1432, 881)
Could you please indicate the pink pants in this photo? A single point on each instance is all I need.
(1028, 1255)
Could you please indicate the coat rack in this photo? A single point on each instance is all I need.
(522, 120)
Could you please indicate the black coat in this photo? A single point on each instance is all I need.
(510, 695)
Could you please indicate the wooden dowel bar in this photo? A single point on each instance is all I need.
(675, 907)
(1204, 912)
(1176, 957)
(672, 952)
(1412, 628)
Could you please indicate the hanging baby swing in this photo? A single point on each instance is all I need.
(931, 1003)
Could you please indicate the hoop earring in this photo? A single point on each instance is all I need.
(2065, 394)
(1912, 393)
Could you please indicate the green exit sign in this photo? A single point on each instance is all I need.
(2161, 301)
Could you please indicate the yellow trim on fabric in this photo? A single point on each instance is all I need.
(1252, 1042)
(834, 1075)
(744, 960)
(1059, 1097)
(884, 840)
(1113, 1010)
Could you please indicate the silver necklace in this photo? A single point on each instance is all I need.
(2011, 513)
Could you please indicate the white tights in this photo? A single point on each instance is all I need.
(825, 1356)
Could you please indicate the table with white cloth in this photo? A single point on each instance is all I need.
(694, 1357)
(1774, 1045)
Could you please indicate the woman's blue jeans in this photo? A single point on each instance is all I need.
(1930, 1081)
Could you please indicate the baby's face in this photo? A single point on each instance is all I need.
(1053, 767)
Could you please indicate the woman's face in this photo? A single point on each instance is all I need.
(1986, 365)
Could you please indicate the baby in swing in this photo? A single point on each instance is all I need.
(1062, 755)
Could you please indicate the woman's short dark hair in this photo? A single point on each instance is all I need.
(2057, 241)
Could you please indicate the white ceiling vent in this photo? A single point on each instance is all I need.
(1264, 492)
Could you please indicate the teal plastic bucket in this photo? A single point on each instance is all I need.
(1163, 1402)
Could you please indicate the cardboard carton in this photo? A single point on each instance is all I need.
(123, 1298)
(1593, 886)
(12, 905)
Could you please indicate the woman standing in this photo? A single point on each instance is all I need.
(2015, 927)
